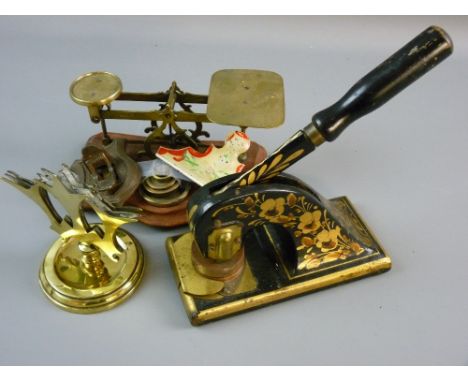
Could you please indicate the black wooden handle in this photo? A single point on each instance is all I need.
(393, 75)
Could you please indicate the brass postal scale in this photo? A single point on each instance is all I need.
(109, 163)
(256, 234)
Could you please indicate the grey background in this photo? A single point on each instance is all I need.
(404, 167)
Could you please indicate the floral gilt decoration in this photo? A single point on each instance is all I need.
(319, 239)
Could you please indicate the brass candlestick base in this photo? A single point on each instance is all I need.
(92, 266)
(76, 277)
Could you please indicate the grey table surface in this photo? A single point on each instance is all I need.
(404, 167)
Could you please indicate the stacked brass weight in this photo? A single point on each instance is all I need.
(164, 190)
(92, 266)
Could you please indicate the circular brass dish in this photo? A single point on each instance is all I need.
(95, 89)
(77, 278)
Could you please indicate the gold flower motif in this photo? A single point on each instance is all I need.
(328, 240)
(309, 222)
(307, 241)
(310, 262)
(336, 255)
(272, 210)
(356, 248)
(249, 202)
(292, 199)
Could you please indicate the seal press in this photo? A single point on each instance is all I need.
(264, 236)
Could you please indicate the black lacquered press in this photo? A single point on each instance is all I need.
(264, 236)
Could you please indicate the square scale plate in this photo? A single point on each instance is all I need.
(246, 98)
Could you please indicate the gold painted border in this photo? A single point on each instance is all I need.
(200, 317)
(377, 266)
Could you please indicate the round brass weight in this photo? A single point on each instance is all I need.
(77, 278)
